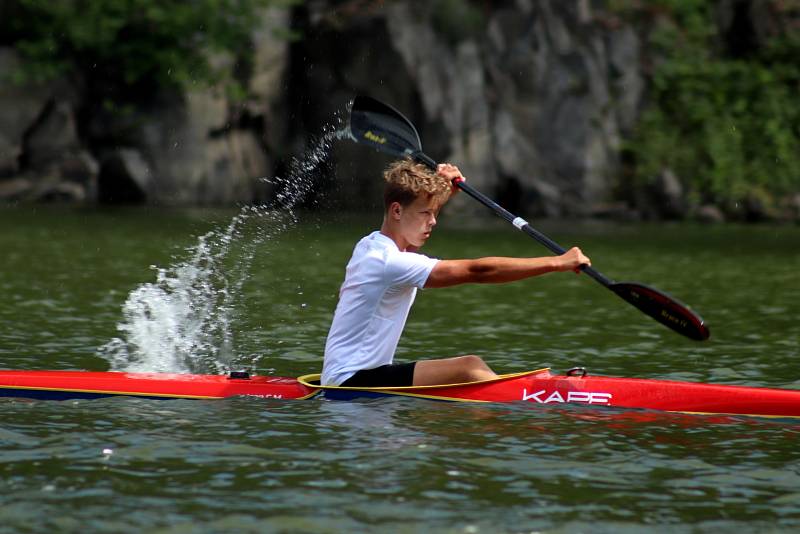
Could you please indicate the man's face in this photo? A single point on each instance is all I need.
(418, 219)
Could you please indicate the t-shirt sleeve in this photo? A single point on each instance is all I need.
(408, 269)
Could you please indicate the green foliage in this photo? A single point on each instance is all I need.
(728, 126)
(457, 20)
(130, 43)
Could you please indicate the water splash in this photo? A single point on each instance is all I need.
(183, 322)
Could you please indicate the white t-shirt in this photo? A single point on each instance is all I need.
(378, 290)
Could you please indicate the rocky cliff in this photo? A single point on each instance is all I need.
(532, 99)
(64, 141)
(528, 98)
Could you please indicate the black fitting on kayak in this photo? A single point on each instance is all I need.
(239, 375)
(577, 371)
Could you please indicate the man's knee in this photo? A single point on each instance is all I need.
(476, 369)
(471, 361)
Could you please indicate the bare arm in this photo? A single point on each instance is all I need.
(497, 270)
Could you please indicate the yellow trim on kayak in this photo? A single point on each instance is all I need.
(307, 380)
(316, 390)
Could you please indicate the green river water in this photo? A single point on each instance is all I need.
(260, 296)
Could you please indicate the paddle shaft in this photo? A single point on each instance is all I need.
(518, 222)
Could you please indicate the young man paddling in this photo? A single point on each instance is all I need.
(384, 273)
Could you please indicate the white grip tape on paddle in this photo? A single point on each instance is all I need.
(519, 222)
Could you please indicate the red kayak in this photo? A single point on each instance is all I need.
(577, 387)
(536, 387)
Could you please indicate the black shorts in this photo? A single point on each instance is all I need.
(390, 375)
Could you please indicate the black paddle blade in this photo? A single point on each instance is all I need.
(663, 308)
(382, 127)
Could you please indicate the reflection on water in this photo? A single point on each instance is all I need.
(398, 463)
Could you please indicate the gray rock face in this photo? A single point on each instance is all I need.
(531, 108)
(195, 145)
(530, 104)
(42, 157)
(19, 108)
(551, 73)
(709, 214)
(184, 157)
(54, 137)
(125, 177)
(196, 148)
(452, 86)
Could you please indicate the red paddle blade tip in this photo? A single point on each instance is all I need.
(663, 308)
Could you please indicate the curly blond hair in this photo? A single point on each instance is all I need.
(406, 180)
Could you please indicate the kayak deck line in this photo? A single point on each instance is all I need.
(540, 386)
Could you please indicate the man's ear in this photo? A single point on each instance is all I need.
(395, 210)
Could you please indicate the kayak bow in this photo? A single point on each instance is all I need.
(536, 387)
(62, 385)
